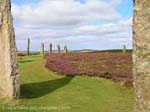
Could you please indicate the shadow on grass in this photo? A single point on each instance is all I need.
(39, 89)
(25, 61)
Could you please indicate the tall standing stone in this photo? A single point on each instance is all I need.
(58, 48)
(42, 48)
(65, 49)
(124, 49)
(9, 74)
(50, 48)
(28, 47)
(141, 55)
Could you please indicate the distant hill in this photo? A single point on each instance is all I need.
(83, 50)
(112, 50)
(77, 51)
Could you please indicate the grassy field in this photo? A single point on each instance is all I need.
(45, 91)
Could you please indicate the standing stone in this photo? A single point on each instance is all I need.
(42, 48)
(141, 55)
(124, 49)
(28, 47)
(58, 48)
(50, 48)
(9, 74)
(65, 49)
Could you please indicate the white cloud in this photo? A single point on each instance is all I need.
(56, 13)
(106, 29)
(69, 22)
(116, 2)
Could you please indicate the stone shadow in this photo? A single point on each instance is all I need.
(39, 89)
(25, 61)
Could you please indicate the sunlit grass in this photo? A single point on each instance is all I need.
(45, 91)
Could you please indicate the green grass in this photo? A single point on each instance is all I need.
(42, 88)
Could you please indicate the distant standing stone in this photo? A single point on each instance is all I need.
(58, 48)
(42, 48)
(50, 48)
(124, 49)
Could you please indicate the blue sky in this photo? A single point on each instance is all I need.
(80, 24)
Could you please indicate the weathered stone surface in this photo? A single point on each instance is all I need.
(28, 47)
(124, 49)
(58, 48)
(9, 75)
(50, 48)
(141, 55)
(65, 49)
(42, 48)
